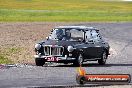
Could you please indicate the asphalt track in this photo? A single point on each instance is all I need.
(119, 35)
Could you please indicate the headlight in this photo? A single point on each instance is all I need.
(70, 48)
(37, 46)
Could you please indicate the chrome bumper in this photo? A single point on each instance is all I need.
(59, 57)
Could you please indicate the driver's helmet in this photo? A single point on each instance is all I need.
(59, 34)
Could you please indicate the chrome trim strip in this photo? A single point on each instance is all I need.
(60, 58)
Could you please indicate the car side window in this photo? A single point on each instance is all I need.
(77, 35)
(88, 36)
(96, 36)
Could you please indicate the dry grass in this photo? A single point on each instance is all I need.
(17, 40)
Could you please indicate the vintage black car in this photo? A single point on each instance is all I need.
(72, 44)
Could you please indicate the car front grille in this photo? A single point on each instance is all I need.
(50, 50)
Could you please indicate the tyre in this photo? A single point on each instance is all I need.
(81, 80)
(78, 61)
(39, 61)
(102, 61)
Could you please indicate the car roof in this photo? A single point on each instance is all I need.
(85, 28)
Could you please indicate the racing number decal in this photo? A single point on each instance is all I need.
(52, 59)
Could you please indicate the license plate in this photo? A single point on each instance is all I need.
(52, 59)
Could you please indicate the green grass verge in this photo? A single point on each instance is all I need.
(22, 15)
(4, 60)
(5, 55)
(64, 10)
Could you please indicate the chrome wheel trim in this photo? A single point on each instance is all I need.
(104, 57)
(80, 59)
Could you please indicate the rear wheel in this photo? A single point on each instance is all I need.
(39, 61)
(102, 61)
(78, 61)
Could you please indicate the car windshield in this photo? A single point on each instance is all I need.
(67, 34)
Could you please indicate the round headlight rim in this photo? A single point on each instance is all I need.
(37, 46)
(70, 48)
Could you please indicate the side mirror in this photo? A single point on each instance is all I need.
(47, 38)
(80, 40)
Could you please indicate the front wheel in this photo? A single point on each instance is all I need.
(78, 61)
(39, 61)
(102, 61)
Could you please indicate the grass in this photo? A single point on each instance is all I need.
(64, 10)
(7, 53)
(13, 50)
(4, 60)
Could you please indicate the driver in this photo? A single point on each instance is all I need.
(59, 34)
